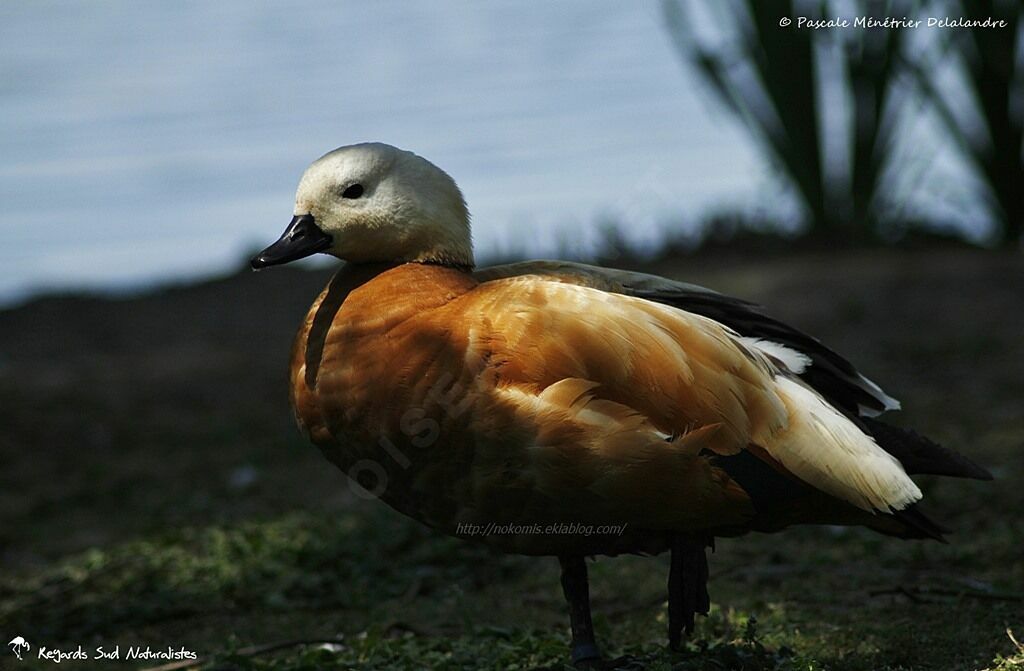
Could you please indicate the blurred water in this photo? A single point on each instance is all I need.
(150, 140)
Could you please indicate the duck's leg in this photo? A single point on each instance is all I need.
(687, 587)
(577, 593)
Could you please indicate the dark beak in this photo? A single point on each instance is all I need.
(302, 238)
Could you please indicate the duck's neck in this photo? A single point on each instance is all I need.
(452, 253)
(393, 291)
(443, 262)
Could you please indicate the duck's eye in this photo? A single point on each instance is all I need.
(353, 191)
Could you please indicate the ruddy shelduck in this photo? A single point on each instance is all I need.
(554, 408)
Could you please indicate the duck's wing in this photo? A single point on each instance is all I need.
(680, 375)
(830, 374)
(827, 372)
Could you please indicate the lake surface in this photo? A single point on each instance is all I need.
(147, 141)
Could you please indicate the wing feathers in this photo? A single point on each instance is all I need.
(592, 454)
(918, 454)
(829, 373)
(677, 372)
(825, 449)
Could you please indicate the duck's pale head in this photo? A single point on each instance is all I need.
(374, 203)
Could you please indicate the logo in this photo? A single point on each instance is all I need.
(18, 644)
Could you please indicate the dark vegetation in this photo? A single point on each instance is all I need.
(155, 491)
(836, 110)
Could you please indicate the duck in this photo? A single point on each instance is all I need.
(554, 408)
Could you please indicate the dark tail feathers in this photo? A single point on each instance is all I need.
(919, 455)
(918, 525)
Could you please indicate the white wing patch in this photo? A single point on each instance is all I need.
(828, 451)
(796, 362)
(887, 401)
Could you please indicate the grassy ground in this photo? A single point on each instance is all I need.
(154, 491)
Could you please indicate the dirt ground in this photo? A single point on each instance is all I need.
(154, 491)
